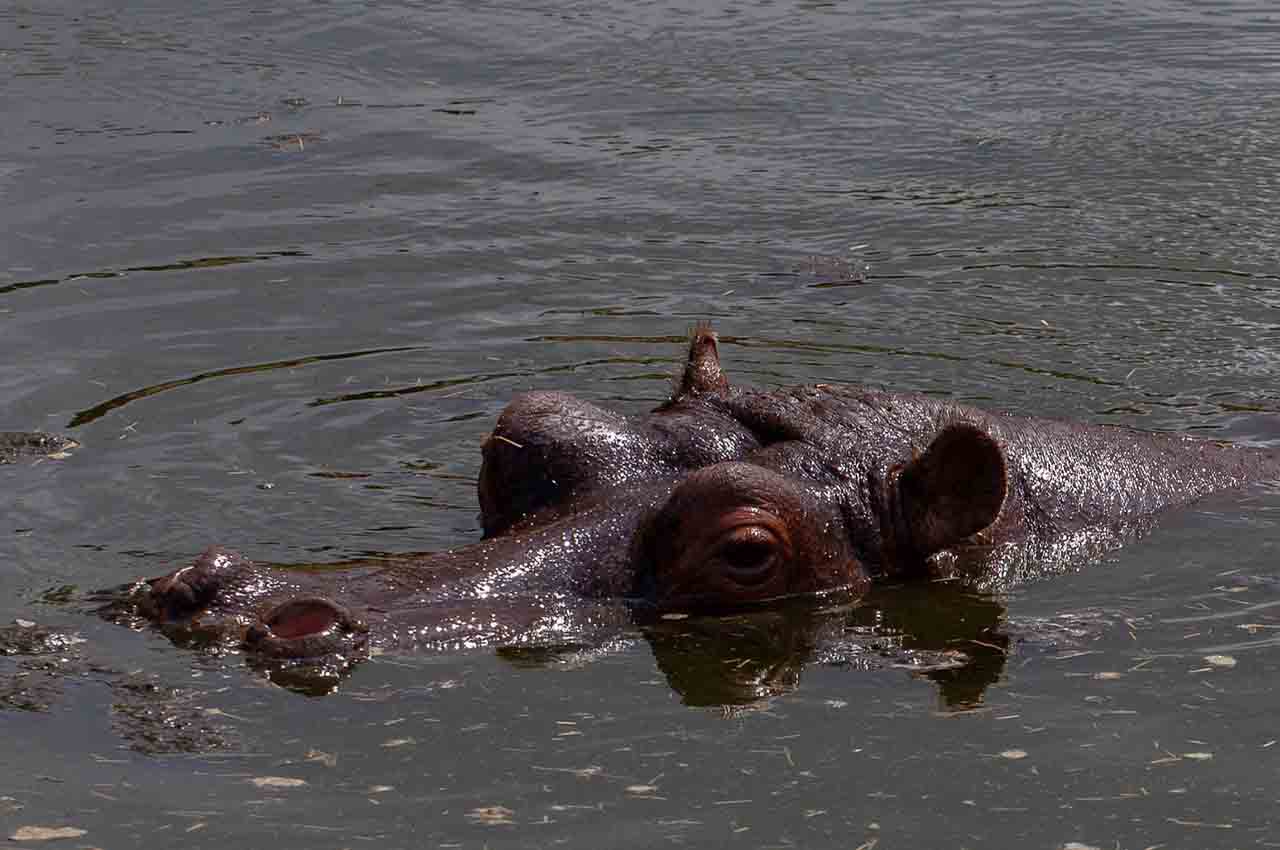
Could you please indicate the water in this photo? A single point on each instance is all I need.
(278, 269)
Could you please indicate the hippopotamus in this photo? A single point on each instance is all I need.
(723, 499)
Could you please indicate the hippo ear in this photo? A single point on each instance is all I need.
(702, 369)
(955, 489)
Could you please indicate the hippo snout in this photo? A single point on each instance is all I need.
(185, 592)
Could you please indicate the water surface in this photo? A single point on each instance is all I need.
(279, 269)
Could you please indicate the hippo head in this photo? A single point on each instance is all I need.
(721, 500)
(736, 497)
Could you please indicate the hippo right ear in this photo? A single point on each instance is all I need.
(953, 490)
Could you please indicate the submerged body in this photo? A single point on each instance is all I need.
(720, 499)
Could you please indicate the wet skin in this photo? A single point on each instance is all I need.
(723, 499)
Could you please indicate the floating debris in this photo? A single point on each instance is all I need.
(278, 782)
(835, 271)
(491, 815)
(45, 833)
(398, 742)
(293, 141)
(19, 444)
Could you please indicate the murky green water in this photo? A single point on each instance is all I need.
(278, 269)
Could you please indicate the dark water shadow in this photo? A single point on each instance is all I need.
(467, 380)
(101, 409)
(42, 669)
(176, 266)
(942, 631)
(1213, 272)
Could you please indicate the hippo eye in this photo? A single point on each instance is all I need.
(749, 553)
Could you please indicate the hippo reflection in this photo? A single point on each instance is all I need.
(942, 631)
(723, 499)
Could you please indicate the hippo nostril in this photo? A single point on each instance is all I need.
(307, 627)
(301, 617)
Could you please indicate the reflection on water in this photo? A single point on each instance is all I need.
(941, 631)
(947, 632)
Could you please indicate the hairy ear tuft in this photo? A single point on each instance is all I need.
(702, 372)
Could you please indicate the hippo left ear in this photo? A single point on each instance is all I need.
(702, 372)
(955, 489)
